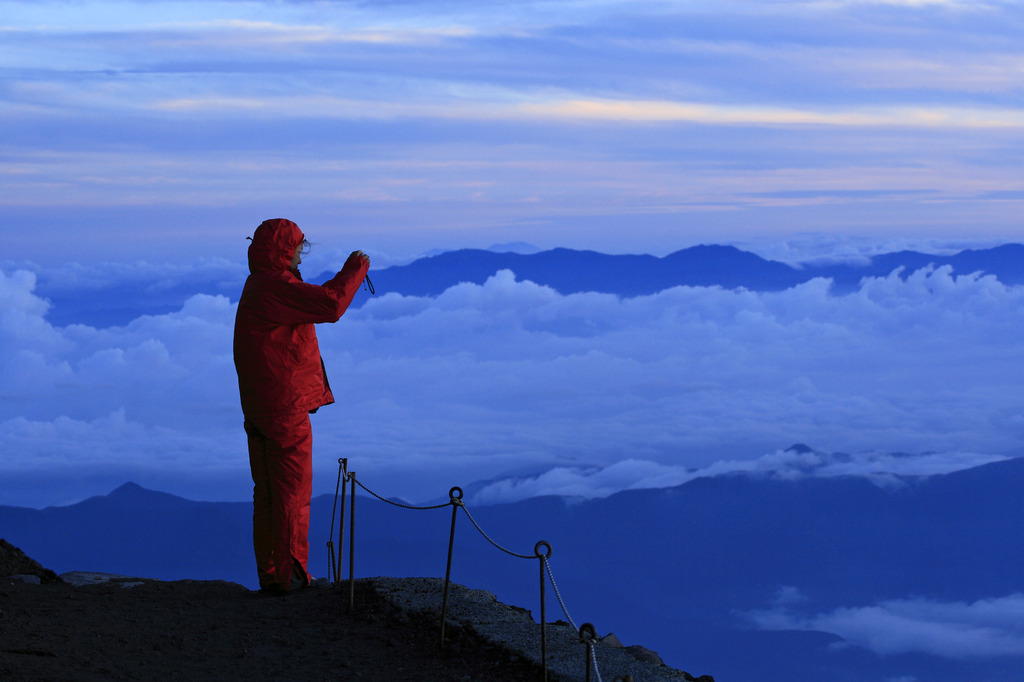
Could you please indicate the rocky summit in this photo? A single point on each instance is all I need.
(97, 626)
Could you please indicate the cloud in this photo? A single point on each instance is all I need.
(952, 630)
(883, 469)
(664, 111)
(964, 4)
(583, 394)
(676, 108)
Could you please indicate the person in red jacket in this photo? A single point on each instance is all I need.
(281, 380)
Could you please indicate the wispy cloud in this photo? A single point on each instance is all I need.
(952, 630)
(884, 469)
(723, 115)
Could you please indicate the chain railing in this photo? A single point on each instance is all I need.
(541, 551)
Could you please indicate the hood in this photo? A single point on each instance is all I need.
(273, 245)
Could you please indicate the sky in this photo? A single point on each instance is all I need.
(164, 131)
(143, 141)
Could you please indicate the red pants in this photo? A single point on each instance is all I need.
(281, 459)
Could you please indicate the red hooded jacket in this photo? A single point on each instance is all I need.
(277, 356)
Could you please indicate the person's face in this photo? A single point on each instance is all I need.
(297, 258)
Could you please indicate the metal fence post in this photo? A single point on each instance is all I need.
(543, 624)
(352, 545)
(587, 635)
(455, 499)
(343, 461)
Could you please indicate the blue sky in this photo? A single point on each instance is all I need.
(163, 130)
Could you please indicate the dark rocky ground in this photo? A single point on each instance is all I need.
(203, 630)
(137, 629)
(210, 630)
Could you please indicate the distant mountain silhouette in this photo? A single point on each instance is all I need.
(568, 271)
(119, 301)
(1005, 262)
(672, 568)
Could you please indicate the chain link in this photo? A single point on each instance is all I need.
(561, 602)
(488, 537)
(593, 657)
(547, 567)
(397, 504)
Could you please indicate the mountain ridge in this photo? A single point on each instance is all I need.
(571, 271)
(111, 302)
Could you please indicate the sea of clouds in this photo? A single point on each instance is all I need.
(519, 389)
